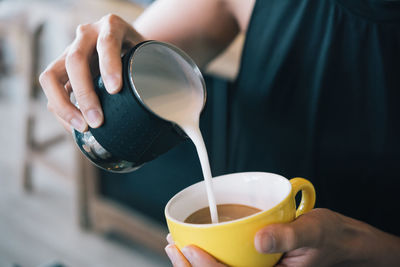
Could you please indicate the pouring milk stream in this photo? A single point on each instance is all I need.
(182, 106)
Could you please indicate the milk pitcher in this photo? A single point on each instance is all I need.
(133, 133)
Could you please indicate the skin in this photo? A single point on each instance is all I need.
(203, 28)
(319, 238)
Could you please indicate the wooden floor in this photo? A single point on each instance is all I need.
(40, 228)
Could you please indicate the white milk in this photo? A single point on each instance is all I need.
(181, 105)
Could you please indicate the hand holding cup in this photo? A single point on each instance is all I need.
(232, 242)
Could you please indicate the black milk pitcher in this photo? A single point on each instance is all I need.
(132, 133)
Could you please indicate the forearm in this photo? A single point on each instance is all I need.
(385, 248)
(203, 28)
(369, 246)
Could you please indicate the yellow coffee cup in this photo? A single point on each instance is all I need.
(232, 242)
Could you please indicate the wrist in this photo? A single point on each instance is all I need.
(369, 246)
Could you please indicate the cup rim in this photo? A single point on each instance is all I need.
(272, 209)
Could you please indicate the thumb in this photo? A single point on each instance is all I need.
(279, 238)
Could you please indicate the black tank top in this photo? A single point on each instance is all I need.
(318, 96)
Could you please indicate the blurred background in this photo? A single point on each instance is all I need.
(56, 209)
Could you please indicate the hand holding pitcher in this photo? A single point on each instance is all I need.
(97, 49)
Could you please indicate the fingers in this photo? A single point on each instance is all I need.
(109, 47)
(114, 36)
(198, 257)
(52, 81)
(303, 232)
(97, 46)
(78, 69)
(66, 126)
(189, 256)
(176, 257)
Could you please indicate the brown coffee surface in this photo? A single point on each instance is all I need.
(226, 212)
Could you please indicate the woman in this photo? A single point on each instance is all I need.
(316, 96)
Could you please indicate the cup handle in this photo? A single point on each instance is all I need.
(307, 195)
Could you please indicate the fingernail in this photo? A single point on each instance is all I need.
(171, 252)
(94, 118)
(169, 239)
(265, 243)
(113, 83)
(78, 124)
(188, 253)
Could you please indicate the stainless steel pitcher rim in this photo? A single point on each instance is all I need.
(181, 53)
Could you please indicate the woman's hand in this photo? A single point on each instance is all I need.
(326, 238)
(189, 256)
(202, 28)
(320, 237)
(97, 47)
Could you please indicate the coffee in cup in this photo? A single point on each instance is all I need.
(226, 213)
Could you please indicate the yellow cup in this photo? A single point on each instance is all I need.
(232, 242)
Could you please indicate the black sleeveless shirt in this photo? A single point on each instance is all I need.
(318, 96)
